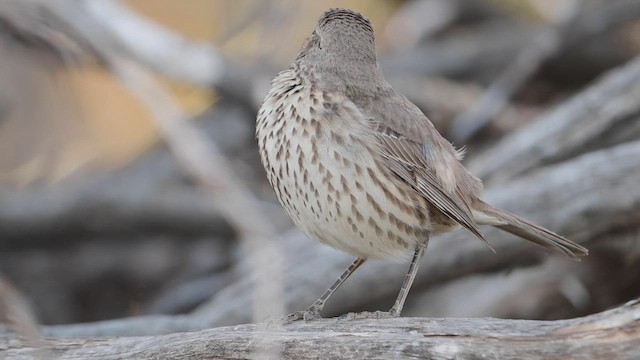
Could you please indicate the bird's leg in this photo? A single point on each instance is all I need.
(396, 309)
(313, 311)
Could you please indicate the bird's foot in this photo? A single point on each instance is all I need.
(365, 315)
(309, 314)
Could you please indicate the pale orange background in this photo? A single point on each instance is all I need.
(111, 128)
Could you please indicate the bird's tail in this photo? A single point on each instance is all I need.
(504, 220)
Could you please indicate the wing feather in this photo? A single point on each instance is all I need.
(414, 150)
(407, 159)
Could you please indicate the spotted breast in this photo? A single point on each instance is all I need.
(319, 158)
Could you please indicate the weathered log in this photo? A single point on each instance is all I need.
(611, 334)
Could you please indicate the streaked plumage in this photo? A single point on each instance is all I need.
(358, 166)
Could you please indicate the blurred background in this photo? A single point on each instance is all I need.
(130, 183)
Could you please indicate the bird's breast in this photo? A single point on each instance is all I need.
(323, 165)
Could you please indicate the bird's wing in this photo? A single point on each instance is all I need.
(418, 154)
(407, 160)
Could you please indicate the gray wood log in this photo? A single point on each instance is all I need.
(613, 334)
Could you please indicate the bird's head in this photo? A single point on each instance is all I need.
(342, 37)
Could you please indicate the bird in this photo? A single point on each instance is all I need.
(359, 167)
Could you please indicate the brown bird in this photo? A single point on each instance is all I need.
(359, 167)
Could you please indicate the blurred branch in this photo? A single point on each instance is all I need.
(78, 30)
(108, 23)
(606, 113)
(67, 25)
(465, 55)
(415, 20)
(554, 289)
(580, 338)
(526, 63)
(110, 31)
(16, 312)
(111, 24)
(212, 172)
(149, 196)
(243, 22)
(441, 100)
(207, 166)
(483, 52)
(48, 218)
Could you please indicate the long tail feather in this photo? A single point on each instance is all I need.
(527, 230)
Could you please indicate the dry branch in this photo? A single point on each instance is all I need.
(590, 120)
(54, 218)
(523, 67)
(149, 196)
(441, 100)
(104, 28)
(612, 334)
(483, 52)
(72, 27)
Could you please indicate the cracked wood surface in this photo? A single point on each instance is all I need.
(613, 334)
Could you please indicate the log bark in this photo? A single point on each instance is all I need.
(611, 334)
